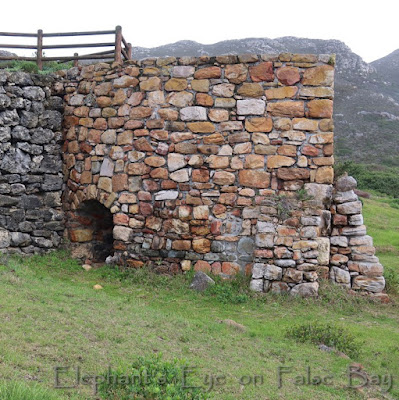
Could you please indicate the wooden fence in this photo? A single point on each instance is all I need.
(120, 48)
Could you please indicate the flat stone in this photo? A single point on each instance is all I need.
(256, 285)
(151, 84)
(182, 175)
(251, 90)
(370, 284)
(319, 76)
(288, 75)
(251, 107)
(125, 81)
(287, 109)
(201, 281)
(265, 240)
(285, 92)
(254, 178)
(279, 161)
(176, 85)
(259, 124)
(183, 71)
(122, 233)
(320, 108)
(262, 72)
(208, 73)
(201, 127)
(310, 289)
(236, 73)
(180, 99)
(166, 195)
(5, 238)
(345, 184)
(223, 90)
(223, 178)
(340, 276)
(193, 114)
(354, 207)
(273, 273)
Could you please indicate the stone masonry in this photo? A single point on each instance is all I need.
(31, 218)
(221, 164)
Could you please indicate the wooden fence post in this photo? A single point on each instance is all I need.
(118, 44)
(129, 51)
(75, 61)
(39, 52)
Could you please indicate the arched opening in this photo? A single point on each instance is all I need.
(90, 231)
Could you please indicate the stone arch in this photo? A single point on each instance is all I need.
(90, 231)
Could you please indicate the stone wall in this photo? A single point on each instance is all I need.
(31, 219)
(353, 261)
(220, 164)
(207, 163)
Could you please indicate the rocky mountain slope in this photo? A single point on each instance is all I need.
(366, 95)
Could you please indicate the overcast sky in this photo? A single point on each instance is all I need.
(369, 28)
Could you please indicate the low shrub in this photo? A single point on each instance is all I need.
(151, 378)
(327, 334)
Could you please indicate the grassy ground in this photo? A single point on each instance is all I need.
(51, 316)
(382, 221)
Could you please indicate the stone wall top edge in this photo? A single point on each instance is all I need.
(238, 58)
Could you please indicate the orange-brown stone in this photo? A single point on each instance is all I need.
(254, 178)
(281, 93)
(320, 108)
(201, 245)
(203, 266)
(140, 112)
(251, 90)
(176, 85)
(262, 72)
(319, 76)
(201, 127)
(236, 73)
(203, 99)
(288, 75)
(291, 174)
(279, 161)
(119, 182)
(259, 124)
(287, 109)
(208, 73)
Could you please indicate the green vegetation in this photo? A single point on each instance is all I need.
(328, 334)
(51, 316)
(32, 68)
(151, 378)
(382, 220)
(372, 177)
(23, 391)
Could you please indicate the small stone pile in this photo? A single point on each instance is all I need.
(31, 219)
(353, 261)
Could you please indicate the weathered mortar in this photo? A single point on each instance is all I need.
(220, 164)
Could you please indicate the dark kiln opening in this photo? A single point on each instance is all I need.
(90, 231)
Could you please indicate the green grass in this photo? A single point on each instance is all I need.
(32, 68)
(382, 221)
(51, 316)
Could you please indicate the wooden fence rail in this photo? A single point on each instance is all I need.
(120, 47)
